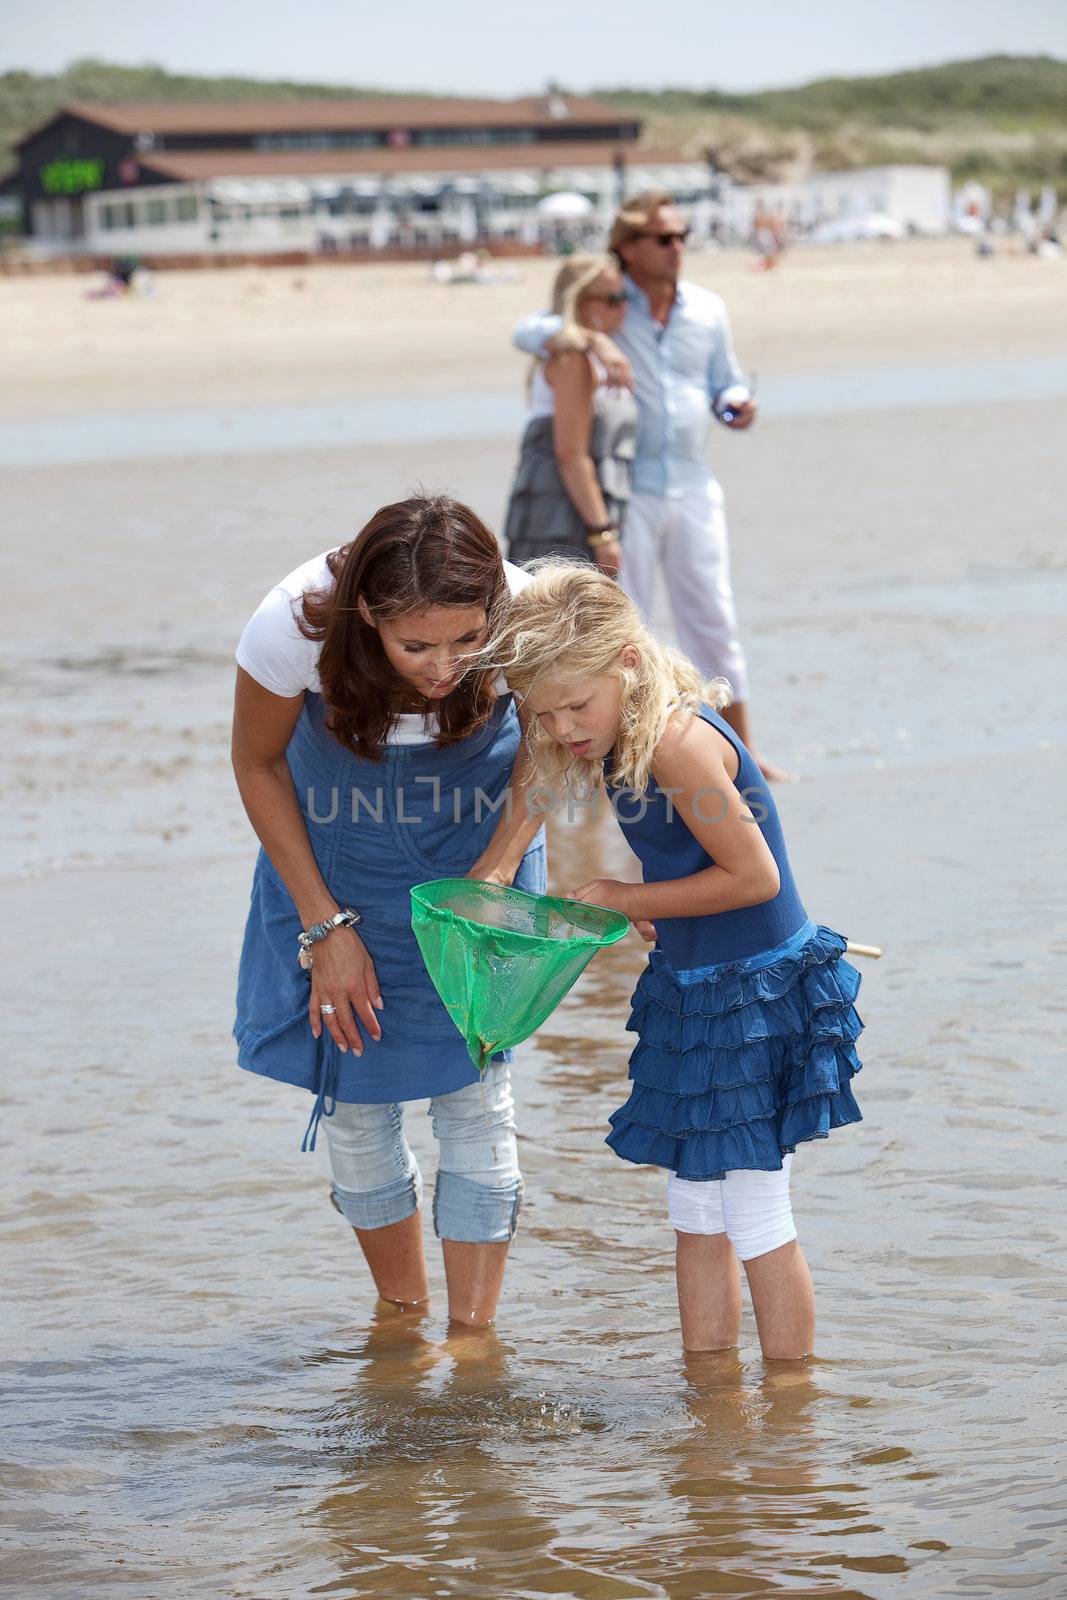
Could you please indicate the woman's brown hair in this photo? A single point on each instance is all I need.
(427, 551)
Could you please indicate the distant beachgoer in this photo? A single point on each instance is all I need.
(744, 1015)
(123, 270)
(768, 236)
(675, 347)
(1048, 245)
(123, 276)
(573, 479)
(368, 761)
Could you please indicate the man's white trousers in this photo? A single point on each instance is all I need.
(685, 538)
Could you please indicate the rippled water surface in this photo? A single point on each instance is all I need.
(199, 1396)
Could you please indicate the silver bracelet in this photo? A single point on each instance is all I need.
(308, 937)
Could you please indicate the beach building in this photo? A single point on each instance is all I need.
(329, 175)
(915, 199)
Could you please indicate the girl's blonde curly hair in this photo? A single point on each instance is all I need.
(573, 622)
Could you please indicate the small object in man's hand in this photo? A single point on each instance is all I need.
(732, 401)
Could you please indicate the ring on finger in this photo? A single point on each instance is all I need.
(327, 1009)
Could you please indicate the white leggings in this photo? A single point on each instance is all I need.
(751, 1208)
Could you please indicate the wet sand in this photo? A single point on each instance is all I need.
(199, 1400)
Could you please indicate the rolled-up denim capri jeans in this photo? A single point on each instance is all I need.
(376, 1179)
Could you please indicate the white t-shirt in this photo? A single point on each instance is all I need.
(274, 651)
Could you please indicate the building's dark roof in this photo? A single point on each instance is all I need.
(191, 166)
(282, 116)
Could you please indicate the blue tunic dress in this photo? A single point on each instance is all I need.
(745, 1020)
(376, 828)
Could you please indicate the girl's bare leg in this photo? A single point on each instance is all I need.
(709, 1291)
(784, 1302)
(396, 1260)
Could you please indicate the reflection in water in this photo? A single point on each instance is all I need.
(450, 1466)
(419, 1487)
(752, 1474)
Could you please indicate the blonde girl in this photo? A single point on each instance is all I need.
(744, 1016)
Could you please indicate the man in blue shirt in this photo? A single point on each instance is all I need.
(675, 349)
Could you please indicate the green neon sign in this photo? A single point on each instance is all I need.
(66, 176)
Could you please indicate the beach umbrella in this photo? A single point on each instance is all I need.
(566, 205)
(502, 960)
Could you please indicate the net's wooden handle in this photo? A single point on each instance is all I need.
(872, 950)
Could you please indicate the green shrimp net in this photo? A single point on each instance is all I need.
(502, 960)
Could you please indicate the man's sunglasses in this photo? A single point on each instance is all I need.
(665, 239)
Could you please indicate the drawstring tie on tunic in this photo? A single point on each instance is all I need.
(327, 1092)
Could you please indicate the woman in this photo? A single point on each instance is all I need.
(573, 478)
(368, 760)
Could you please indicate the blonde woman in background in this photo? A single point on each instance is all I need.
(575, 464)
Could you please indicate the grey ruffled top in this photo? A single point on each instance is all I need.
(541, 519)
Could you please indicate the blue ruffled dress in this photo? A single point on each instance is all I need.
(745, 1020)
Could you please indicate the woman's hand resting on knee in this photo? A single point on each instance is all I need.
(343, 976)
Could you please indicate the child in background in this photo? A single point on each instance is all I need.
(744, 1015)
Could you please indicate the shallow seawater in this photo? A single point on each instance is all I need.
(427, 419)
(199, 1397)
